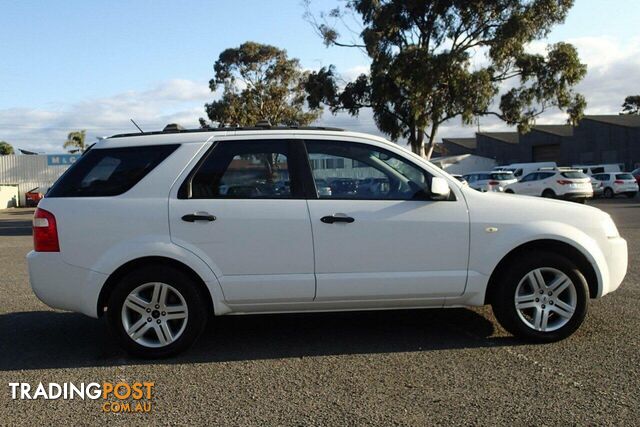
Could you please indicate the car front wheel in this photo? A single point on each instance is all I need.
(156, 312)
(542, 297)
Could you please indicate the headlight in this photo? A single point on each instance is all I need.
(610, 229)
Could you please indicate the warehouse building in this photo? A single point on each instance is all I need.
(22, 173)
(596, 140)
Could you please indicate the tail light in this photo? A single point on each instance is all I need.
(564, 182)
(493, 183)
(45, 232)
(618, 181)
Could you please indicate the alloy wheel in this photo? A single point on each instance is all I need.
(545, 299)
(154, 314)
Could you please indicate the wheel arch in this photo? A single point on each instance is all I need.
(138, 263)
(547, 245)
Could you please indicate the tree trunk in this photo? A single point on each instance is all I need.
(432, 142)
(417, 143)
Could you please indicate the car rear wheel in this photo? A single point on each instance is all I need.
(548, 194)
(608, 193)
(543, 297)
(156, 312)
(509, 191)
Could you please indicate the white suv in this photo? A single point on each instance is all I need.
(159, 231)
(614, 184)
(568, 184)
(491, 180)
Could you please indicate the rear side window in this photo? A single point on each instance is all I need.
(574, 175)
(245, 170)
(109, 171)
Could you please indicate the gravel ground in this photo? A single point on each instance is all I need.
(414, 367)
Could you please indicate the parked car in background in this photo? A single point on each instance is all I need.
(594, 169)
(617, 183)
(460, 178)
(521, 169)
(598, 188)
(151, 244)
(322, 186)
(636, 175)
(33, 196)
(490, 180)
(561, 183)
(373, 186)
(343, 186)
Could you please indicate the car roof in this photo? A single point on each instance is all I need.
(202, 135)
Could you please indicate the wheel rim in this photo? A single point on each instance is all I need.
(154, 314)
(545, 299)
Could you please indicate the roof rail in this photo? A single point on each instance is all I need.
(262, 125)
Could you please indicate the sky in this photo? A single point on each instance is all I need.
(94, 64)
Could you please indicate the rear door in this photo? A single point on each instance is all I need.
(242, 210)
(390, 243)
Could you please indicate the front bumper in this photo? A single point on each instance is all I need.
(616, 256)
(64, 286)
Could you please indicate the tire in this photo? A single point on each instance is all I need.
(509, 191)
(608, 193)
(549, 194)
(164, 330)
(517, 281)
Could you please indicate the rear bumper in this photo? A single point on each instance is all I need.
(576, 196)
(64, 286)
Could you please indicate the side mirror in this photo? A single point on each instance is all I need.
(439, 189)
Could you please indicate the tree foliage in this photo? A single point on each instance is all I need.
(259, 82)
(435, 60)
(5, 148)
(631, 105)
(75, 142)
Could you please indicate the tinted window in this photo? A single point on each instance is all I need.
(624, 176)
(601, 177)
(574, 175)
(109, 171)
(483, 177)
(379, 175)
(244, 170)
(501, 176)
(597, 170)
(529, 177)
(544, 175)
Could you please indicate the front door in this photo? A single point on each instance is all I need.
(243, 211)
(377, 236)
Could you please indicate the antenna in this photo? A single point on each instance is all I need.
(136, 125)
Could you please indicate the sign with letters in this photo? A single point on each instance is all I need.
(62, 159)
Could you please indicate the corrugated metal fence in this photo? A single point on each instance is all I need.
(28, 172)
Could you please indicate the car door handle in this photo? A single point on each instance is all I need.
(198, 216)
(336, 218)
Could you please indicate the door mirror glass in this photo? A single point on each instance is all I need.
(439, 189)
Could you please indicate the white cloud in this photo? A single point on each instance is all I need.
(613, 67)
(180, 101)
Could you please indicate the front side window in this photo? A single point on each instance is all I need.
(364, 172)
(244, 170)
(109, 171)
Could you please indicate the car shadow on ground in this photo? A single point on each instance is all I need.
(48, 339)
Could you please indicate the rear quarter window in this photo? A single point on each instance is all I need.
(109, 171)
